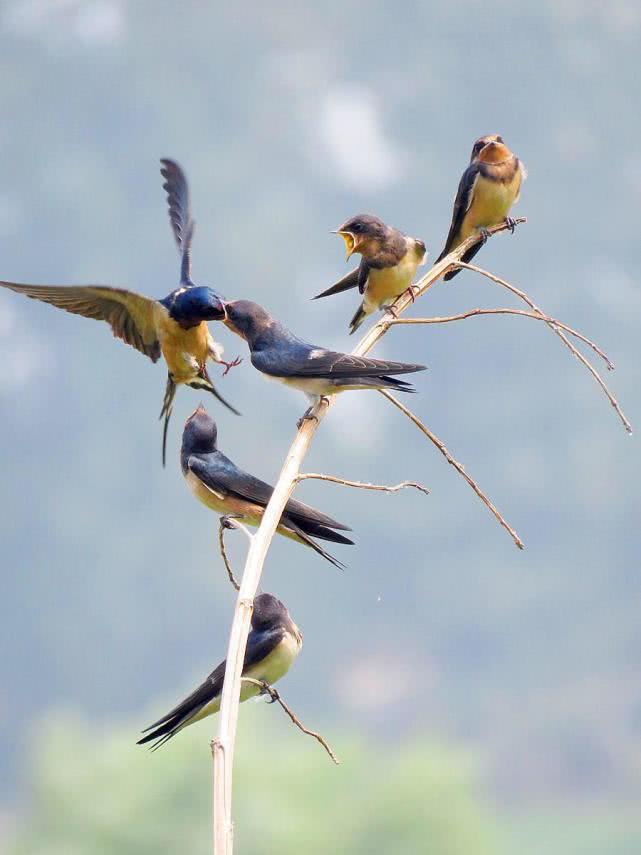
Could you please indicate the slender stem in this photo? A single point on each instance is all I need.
(228, 522)
(523, 296)
(275, 696)
(227, 721)
(458, 466)
(361, 485)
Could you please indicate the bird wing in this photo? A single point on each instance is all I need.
(351, 280)
(222, 476)
(182, 224)
(326, 364)
(130, 315)
(462, 202)
(259, 645)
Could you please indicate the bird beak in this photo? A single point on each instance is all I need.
(351, 243)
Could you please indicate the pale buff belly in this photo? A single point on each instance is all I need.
(270, 670)
(491, 205)
(185, 351)
(226, 504)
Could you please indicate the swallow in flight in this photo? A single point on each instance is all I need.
(273, 644)
(220, 485)
(388, 265)
(174, 327)
(315, 371)
(488, 188)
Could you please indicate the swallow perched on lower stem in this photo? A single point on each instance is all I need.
(220, 485)
(388, 265)
(273, 644)
(488, 188)
(314, 370)
(174, 327)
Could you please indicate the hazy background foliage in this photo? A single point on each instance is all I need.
(288, 118)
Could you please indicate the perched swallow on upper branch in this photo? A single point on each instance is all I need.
(273, 644)
(388, 265)
(174, 327)
(488, 188)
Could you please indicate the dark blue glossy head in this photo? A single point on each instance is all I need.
(190, 306)
(200, 433)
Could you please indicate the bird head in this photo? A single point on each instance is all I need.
(246, 319)
(199, 303)
(490, 149)
(200, 433)
(362, 233)
(269, 612)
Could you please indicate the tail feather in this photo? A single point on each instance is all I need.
(167, 407)
(357, 320)
(312, 543)
(204, 383)
(469, 255)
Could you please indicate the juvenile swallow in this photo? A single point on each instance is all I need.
(488, 188)
(273, 644)
(220, 485)
(315, 371)
(388, 265)
(174, 327)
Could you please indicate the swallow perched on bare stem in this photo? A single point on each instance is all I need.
(220, 485)
(174, 327)
(488, 188)
(388, 265)
(273, 644)
(314, 370)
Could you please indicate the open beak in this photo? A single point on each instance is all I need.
(350, 242)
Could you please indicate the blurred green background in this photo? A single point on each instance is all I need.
(482, 699)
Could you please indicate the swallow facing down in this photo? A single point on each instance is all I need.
(317, 372)
(388, 265)
(273, 643)
(220, 485)
(174, 327)
(488, 188)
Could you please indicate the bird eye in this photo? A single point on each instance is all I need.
(356, 227)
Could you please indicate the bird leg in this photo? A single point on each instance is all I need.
(484, 235)
(308, 415)
(229, 365)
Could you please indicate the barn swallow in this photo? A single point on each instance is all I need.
(488, 188)
(315, 371)
(220, 485)
(388, 265)
(273, 643)
(174, 327)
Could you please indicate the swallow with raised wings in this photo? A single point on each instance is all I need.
(175, 327)
(488, 188)
(225, 488)
(388, 265)
(273, 644)
(317, 372)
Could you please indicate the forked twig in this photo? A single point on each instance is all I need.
(523, 296)
(361, 485)
(538, 316)
(458, 466)
(225, 523)
(275, 696)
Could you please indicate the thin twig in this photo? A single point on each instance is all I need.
(228, 718)
(523, 296)
(458, 466)
(228, 522)
(362, 485)
(537, 315)
(275, 695)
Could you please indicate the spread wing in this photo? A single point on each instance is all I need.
(182, 224)
(326, 364)
(130, 315)
(259, 646)
(222, 476)
(463, 200)
(351, 280)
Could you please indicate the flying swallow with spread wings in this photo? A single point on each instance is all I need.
(174, 327)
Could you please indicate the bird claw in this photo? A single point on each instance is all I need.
(410, 293)
(307, 416)
(230, 365)
(485, 234)
(510, 223)
(390, 310)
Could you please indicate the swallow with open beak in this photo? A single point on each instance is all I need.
(273, 644)
(488, 188)
(388, 265)
(314, 370)
(220, 485)
(175, 327)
